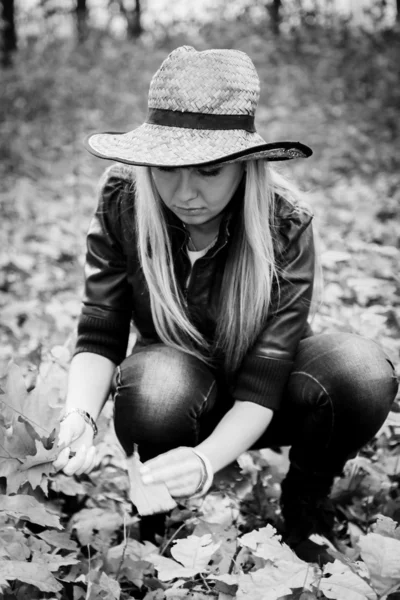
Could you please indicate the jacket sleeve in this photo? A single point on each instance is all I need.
(103, 326)
(265, 370)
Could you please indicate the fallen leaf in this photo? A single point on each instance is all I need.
(169, 569)
(381, 554)
(195, 552)
(53, 561)
(11, 570)
(58, 539)
(106, 588)
(29, 509)
(33, 406)
(266, 544)
(343, 584)
(386, 526)
(220, 508)
(90, 522)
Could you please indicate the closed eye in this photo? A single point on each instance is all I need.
(166, 169)
(210, 172)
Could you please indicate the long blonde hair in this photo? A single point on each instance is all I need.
(250, 270)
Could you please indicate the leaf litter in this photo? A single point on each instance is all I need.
(83, 532)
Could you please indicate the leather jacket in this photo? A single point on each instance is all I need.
(116, 291)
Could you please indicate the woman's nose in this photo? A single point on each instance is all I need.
(186, 189)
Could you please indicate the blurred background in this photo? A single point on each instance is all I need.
(329, 72)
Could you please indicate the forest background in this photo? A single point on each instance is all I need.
(329, 77)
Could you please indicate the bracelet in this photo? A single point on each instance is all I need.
(86, 417)
(207, 478)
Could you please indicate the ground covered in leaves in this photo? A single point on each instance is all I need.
(78, 538)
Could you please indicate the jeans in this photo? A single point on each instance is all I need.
(338, 395)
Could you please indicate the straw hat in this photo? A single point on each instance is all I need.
(201, 111)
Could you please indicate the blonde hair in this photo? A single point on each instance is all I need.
(250, 270)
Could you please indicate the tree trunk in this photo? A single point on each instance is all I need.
(398, 11)
(133, 19)
(81, 20)
(9, 33)
(275, 14)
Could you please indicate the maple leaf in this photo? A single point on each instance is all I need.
(33, 468)
(220, 509)
(95, 521)
(195, 552)
(64, 484)
(132, 549)
(38, 407)
(29, 509)
(11, 570)
(135, 570)
(106, 588)
(130, 560)
(277, 580)
(266, 543)
(59, 539)
(53, 561)
(13, 544)
(344, 584)
(386, 526)
(253, 585)
(227, 537)
(381, 554)
(168, 569)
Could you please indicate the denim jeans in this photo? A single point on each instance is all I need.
(338, 395)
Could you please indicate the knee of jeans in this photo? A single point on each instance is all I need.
(351, 372)
(159, 380)
(371, 372)
(363, 378)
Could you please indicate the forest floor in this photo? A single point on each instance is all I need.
(341, 97)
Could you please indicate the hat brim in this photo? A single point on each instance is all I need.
(159, 146)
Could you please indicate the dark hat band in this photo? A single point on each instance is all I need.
(190, 120)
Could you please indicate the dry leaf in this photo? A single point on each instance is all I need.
(195, 552)
(266, 544)
(169, 569)
(386, 526)
(148, 499)
(381, 554)
(10, 570)
(29, 509)
(343, 584)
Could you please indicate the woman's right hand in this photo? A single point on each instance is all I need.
(75, 440)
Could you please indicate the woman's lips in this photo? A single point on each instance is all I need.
(189, 210)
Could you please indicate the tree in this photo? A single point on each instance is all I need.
(8, 31)
(133, 18)
(275, 15)
(81, 12)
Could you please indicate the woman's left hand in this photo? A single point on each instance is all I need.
(181, 470)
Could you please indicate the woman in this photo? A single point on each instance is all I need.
(199, 241)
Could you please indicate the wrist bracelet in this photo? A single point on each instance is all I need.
(86, 417)
(208, 475)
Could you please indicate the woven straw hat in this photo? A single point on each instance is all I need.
(201, 111)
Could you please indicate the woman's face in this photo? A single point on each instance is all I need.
(197, 194)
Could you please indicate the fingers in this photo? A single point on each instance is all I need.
(184, 486)
(169, 473)
(77, 463)
(62, 459)
(89, 462)
(180, 470)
